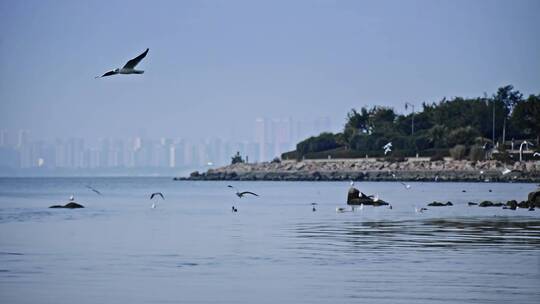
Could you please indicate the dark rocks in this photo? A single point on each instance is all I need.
(355, 197)
(512, 205)
(352, 194)
(523, 204)
(534, 199)
(194, 174)
(440, 204)
(368, 170)
(71, 205)
(472, 204)
(490, 204)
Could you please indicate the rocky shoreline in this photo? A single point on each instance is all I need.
(372, 170)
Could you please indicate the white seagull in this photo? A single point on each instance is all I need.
(387, 148)
(419, 210)
(129, 68)
(155, 194)
(407, 186)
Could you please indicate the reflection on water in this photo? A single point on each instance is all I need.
(456, 233)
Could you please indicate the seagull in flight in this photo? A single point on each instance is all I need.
(241, 194)
(387, 148)
(96, 191)
(129, 67)
(157, 194)
(420, 210)
(407, 186)
(507, 171)
(154, 205)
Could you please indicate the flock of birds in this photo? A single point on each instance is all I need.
(242, 194)
(129, 68)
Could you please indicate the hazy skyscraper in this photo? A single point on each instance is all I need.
(260, 138)
(22, 139)
(4, 138)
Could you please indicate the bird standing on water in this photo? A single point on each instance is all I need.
(129, 67)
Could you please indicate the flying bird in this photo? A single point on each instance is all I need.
(387, 148)
(420, 210)
(507, 171)
(154, 204)
(129, 67)
(340, 210)
(241, 194)
(407, 186)
(93, 189)
(157, 194)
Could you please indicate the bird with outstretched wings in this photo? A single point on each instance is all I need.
(133, 62)
(156, 194)
(93, 189)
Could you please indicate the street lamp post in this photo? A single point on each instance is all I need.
(521, 149)
(407, 104)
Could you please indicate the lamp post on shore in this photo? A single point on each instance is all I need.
(407, 104)
(521, 149)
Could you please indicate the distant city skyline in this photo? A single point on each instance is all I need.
(271, 137)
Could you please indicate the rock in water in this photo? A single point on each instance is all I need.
(534, 199)
(439, 204)
(71, 205)
(490, 204)
(353, 194)
(354, 198)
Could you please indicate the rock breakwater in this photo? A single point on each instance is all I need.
(371, 170)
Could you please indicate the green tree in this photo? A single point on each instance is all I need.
(437, 136)
(526, 117)
(462, 136)
(509, 98)
(357, 123)
(325, 141)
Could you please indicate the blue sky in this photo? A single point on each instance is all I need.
(214, 66)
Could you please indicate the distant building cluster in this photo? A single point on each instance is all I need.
(271, 137)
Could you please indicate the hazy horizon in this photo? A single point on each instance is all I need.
(215, 66)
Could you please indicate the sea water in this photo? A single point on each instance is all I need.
(275, 249)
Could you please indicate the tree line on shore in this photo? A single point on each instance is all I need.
(460, 127)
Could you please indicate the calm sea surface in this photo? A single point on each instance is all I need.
(275, 249)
